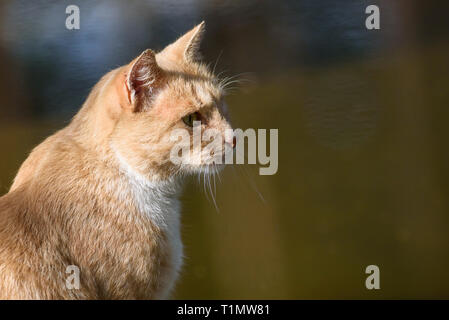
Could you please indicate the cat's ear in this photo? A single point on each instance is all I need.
(143, 77)
(187, 46)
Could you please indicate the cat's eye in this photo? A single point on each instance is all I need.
(191, 118)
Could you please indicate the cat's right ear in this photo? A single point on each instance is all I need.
(143, 78)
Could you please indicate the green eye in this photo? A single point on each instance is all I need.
(191, 118)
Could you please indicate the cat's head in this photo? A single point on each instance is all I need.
(161, 96)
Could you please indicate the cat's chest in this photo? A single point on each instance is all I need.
(159, 208)
(157, 214)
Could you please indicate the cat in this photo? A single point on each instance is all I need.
(102, 194)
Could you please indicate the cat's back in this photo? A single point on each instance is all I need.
(23, 242)
(52, 147)
(64, 205)
(17, 212)
(28, 227)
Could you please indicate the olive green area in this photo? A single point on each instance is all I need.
(363, 179)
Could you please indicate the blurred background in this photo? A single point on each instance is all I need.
(362, 116)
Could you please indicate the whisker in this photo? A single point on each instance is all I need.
(252, 183)
(211, 192)
(250, 179)
(216, 62)
(226, 82)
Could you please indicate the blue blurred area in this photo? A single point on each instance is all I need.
(59, 66)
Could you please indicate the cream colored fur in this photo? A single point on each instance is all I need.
(102, 194)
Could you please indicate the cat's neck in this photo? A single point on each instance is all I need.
(156, 199)
(100, 113)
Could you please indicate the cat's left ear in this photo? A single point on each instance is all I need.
(143, 77)
(187, 46)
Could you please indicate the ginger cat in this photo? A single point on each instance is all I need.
(102, 194)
